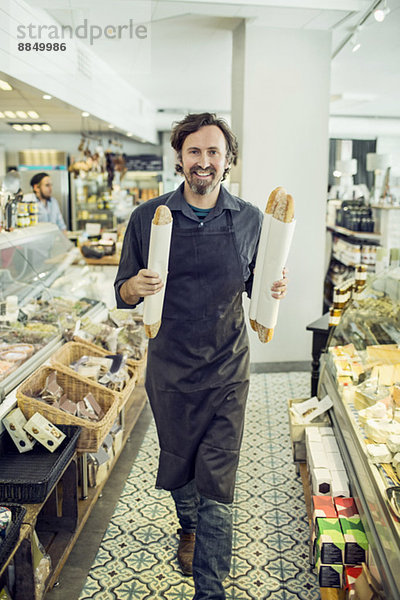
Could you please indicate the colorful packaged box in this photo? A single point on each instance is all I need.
(323, 506)
(350, 576)
(346, 507)
(330, 541)
(329, 575)
(355, 541)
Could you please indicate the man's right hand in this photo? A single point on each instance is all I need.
(145, 283)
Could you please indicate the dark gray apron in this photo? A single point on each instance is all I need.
(198, 365)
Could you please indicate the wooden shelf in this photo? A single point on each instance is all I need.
(60, 519)
(133, 408)
(326, 593)
(359, 235)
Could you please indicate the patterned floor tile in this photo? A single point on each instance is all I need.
(137, 557)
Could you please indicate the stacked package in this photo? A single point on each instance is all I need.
(338, 541)
(325, 465)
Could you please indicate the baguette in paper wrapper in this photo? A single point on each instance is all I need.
(276, 236)
(160, 241)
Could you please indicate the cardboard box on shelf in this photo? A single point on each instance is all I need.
(350, 576)
(339, 484)
(329, 575)
(321, 482)
(346, 507)
(297, 430)
(330, 541)
(355, 541)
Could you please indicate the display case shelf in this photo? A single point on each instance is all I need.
(362, 350)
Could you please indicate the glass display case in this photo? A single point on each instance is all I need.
(361, 374)
(34, 312)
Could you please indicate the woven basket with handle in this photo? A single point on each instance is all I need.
(73, 351)
(93, 433)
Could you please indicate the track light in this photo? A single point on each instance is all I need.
(381, 11)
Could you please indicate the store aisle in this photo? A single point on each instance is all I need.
(136, 559)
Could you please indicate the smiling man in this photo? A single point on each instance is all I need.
(197, 374)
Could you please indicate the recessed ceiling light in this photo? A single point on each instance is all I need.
(36, 127)
(129, 134)
(10, 114)
(47, 97)
(46, 127)
(85, 114)
(17, 127)
(1, 115)
(33, 114)
(21, 114)
(110, 126)
(27, 127)
(6, 87)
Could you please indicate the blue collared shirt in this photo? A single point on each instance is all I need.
(246, 220)
(49, 213)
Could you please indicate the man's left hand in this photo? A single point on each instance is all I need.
(279, 288)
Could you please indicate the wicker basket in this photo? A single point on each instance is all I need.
(73, 351)
(8, 544)
(132, 362)
(93, 433)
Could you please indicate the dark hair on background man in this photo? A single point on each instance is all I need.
(38, 178)
(193, 122)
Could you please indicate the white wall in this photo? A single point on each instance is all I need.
(285, 142)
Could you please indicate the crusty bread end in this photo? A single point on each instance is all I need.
(162, 215)
(264, 334)
(152, 330)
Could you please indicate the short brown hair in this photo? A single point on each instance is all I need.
(193, 122)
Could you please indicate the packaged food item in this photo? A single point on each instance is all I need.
(14, 422)
(44, 432)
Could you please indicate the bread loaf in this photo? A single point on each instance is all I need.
(281, 206)
(158, 261)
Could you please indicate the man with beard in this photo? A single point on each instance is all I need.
(49, 211)
(198, 364)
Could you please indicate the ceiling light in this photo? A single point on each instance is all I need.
(27, 127)
(111, 126)
(33, 114)
(129, 134)
(85, 114)
(36, 127)
(17, 127)
(21, 114)
(47, 97)
(1, 115)
(381, 11)
(6, 87)
(10, 114)
(46, 127)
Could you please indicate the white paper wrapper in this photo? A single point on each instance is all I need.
(160, 241)
(272, 255)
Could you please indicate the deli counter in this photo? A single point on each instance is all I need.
(361, 374)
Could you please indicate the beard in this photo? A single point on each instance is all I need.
(200, 186)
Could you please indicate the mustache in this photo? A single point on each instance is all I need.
(208, 170)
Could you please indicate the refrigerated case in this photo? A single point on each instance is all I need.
(362, 367)
(91, 202)
(32, 261)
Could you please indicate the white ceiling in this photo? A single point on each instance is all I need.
(189, 67)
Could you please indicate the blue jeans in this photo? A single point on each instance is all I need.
(212, 522)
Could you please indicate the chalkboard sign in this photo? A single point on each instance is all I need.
(144, 162)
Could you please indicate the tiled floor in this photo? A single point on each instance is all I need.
(136, 558)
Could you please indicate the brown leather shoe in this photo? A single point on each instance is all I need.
(186, 551)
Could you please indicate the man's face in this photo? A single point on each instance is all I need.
(203, 159)
(45, 188)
